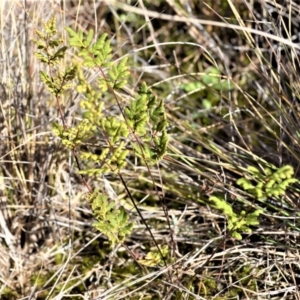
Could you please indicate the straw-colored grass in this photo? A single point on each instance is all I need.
(48, 246)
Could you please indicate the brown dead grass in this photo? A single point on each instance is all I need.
(48, 248)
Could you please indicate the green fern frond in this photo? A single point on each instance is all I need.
(94, 54)
(237, 223)
(154, 258)
(111, 221)
(161, 145)
(51, 52)
(115, 129)
(273, 183)
(50, 27)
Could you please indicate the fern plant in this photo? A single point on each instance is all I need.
(264, 184)
(139, 129)
(237, 223)
(268, 183)
(154, 258)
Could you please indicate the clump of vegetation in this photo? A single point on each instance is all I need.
(269, 183)
(149, 143)
(236, 222)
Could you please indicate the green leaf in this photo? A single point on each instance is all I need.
(192, 86)
(43, 58)
(245, 183)
(254, 170)
(154, 258)
(89, 38)
(57, 129)
(60, 53)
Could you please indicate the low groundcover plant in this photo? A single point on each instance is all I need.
(141, 124)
